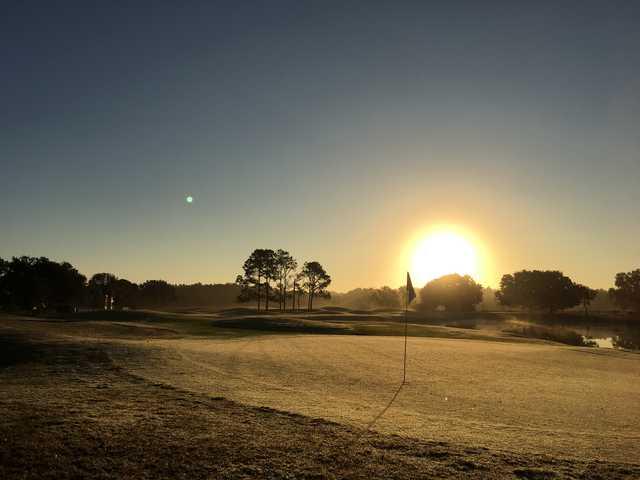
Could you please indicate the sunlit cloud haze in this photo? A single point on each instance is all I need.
(338, 132)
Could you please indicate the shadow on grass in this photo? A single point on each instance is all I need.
(280, 325)
(15, 349)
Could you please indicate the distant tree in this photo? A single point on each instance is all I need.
(39, 283)
(538, 290)
(367, 298)
(489, 302)
(157, 293)
(315, 280)
(125, 293)
(386, 297)
(603, 301)
(298, 291)
(454, 292)
(270, 275)
(261, 265)
(4, 292)
(212, 295)
(285, 264)
(248, 286)
(68, 285)
(19, 283)
(627, 292)
(101, 290)
(585, 296)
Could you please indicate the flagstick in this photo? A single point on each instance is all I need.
(404, 368)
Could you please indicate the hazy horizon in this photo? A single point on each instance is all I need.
(339, 133)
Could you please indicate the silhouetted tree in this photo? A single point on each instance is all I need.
(100, 288)
(627, 292)
(125, 293)
(285, 264)
(39, 283)
(603, 301)
(260, 265)
(315, 280)
(4, 292)
(542, 290)
(585, 296)
(456, 293)
(248, 289)
(214, 295)
(270, 275)
(157, 293)
(297, 291)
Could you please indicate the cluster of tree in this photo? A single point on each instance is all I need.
(105, 290)
(207, 295)
(454, 293)
(626, 294)
(28, 283)
(370, 298)
(602, 301)
(108, 291)
(268, 274)
(37, 283)
(547, 290)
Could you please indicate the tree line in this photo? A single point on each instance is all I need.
(39, 284)
(534, 290)
(270, 276)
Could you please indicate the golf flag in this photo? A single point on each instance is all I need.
(411, 293)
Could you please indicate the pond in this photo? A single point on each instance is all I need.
(597, 331)
(601, 331)
(627, 338)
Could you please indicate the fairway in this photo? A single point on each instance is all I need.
(524, 397)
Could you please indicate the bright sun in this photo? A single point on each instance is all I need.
(443, 252)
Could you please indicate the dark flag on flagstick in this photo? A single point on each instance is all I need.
(411, 293)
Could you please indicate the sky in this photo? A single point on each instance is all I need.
(337, 131)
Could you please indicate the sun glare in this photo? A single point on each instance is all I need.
(443, 252)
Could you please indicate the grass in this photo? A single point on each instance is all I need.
(243, 322)
(69, 410)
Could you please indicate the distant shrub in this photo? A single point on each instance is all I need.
(554, 334)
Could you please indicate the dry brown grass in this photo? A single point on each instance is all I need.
(76, 407)
(541, 397)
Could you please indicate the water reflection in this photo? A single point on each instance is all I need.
(606, 342)
(569, 329)
(628, 340)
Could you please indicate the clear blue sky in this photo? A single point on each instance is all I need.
(333, 130)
